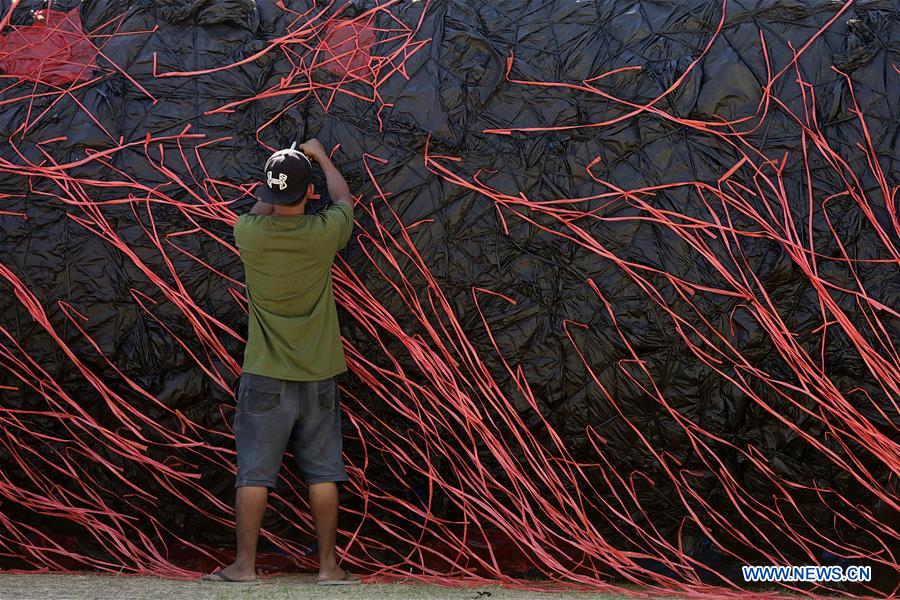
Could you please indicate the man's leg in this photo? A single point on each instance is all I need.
(249, 508)
(323, 504)
(262, 426)
(317, 448)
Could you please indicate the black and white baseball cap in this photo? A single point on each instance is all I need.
(286, 177)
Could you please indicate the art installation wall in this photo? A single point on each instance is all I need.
(621, 306)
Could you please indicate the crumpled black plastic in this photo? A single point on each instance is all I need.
(456, 89)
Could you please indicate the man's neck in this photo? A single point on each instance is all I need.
(285, 211)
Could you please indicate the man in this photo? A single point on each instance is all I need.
(287, 395)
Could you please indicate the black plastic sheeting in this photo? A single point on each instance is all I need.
(455, 90)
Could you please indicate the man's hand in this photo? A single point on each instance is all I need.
(314, 150)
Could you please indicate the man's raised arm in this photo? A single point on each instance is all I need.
(338, 189)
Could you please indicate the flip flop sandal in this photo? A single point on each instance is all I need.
(347, 579)
(220, 577)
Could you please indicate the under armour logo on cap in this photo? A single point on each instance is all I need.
(281, 182)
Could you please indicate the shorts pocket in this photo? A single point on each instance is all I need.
(259, 394)
(326, 390)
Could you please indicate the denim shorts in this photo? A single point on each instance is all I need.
(273, 415)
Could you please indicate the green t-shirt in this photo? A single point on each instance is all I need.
(293, 330)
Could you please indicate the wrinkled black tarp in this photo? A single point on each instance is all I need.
(456, 89)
